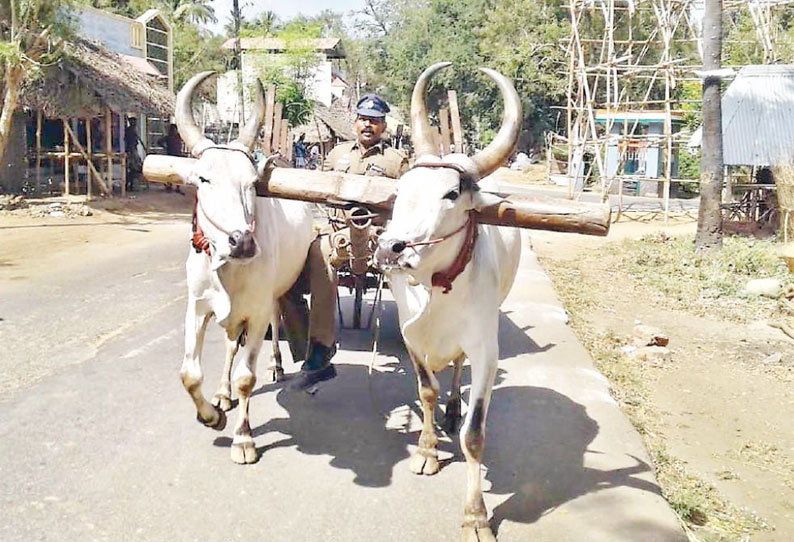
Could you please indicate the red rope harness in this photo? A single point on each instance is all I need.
(199, 240)
(444, 279)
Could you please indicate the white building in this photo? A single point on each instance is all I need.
(145, 42)
(261, 55)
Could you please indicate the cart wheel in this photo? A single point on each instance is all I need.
(360, 284)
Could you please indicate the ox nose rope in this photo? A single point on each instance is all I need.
(445, 278)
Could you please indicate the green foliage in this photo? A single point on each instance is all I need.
(519, 38)
(195, 50)
(688, 164)
(32, 32)
(522, 40)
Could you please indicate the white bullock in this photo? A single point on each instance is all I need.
(449, 276)
(248, 252)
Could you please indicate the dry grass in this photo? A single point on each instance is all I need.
(666, 266)
(707, 285)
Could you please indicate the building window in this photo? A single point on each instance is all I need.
(136, 37)
(157, 45)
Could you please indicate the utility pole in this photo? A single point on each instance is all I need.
(709, 232)
(237, 17)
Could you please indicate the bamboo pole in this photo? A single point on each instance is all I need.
(67, 152)
(38, 149)
(457, 131)
(90, 151)
(109, 151)
(123, 172)
(84, 154)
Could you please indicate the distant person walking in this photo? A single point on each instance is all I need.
(134, 160)
(299, 151)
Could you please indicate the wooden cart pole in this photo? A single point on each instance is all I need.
(66, 151)
(270, 101)
(443, 120)
(89, 143)
(454, 112)
(38, 149)
(283, 137)
(276, 128)
(109, 150)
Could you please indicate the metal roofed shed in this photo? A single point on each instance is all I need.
(757, 117)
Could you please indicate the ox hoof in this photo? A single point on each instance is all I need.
(424, 463)
(477, 534)
(221, 401)
(274, 373)
(218, 423)
(244, 453)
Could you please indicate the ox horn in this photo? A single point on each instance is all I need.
(494, 155)
(421, 134)
(250, 132)
(190, 133)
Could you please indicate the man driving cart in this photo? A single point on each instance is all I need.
(369, 154)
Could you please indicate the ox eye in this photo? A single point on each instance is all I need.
(452, 195)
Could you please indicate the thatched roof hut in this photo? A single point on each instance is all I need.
(89, 77)
(328, 124)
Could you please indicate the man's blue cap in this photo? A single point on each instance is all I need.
(371, 105)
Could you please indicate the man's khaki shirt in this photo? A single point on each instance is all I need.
(379, 160)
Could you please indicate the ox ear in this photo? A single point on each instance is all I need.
(160, 168)
(482, 199)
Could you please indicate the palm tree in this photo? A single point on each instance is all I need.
(196, 11)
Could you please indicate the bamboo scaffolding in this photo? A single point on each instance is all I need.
(82, 152)
(609, 77)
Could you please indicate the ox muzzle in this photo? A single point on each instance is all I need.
(242, 245)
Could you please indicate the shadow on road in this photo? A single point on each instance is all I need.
(536, 442)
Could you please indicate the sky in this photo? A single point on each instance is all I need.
(285, 9)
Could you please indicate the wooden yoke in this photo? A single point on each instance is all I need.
(378, 194)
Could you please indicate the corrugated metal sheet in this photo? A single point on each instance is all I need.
(758, 116)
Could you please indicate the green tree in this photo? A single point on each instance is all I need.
(31, 35)
(523, 40)
(195, 11)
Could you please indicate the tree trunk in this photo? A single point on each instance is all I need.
(13, 80)
(709, 232)
(237, 17)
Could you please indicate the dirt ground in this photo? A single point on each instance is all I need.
(32, 245)
(721, 407)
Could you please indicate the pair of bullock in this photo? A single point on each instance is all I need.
(448, 274)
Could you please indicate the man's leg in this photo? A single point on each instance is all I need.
(322, 317)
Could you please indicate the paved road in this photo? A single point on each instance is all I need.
(105, 446)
